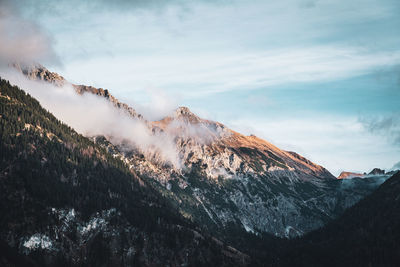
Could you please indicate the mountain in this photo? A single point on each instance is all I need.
(74, 200)
(38, 72)
(377, 171)
(224, 180)
(373, 173)
(66, 201)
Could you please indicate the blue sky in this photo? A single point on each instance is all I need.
(309, 76)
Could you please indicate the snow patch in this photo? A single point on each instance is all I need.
(38, 241)
(64, 214)
(247, 228)
(93, 224)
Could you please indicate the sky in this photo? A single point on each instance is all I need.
(321, 78)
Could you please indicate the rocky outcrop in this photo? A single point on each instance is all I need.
(345, 175)
(349, 175)
(39, 72)
(82, 89)
(376, 171)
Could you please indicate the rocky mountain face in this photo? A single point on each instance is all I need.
(345, 175)
(374, 172)
(279, 203)
(225, 180)
(232, 180)
(38, 72)
(66, 201)
(377, 171)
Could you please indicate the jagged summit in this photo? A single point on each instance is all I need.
(36, 71)
(186, 114)
(347, 175)
(377, 171)
(184, 111)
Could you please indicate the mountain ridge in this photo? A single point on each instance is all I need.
(181, 113)
(226, 178)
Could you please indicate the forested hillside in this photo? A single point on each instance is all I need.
(66, 201)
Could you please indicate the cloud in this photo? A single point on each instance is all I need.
(159, 104)
(388, 126)
(218, 72)
(22, 40)
(197, 132)
(396, 166)
(202, 47)
(49, 7)
(258, 100)
(92, 115)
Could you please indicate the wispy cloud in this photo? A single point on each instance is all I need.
(203, 48)
(158, 104)
(396, 166)
(92, 115)
(220, 73)
(386, 125)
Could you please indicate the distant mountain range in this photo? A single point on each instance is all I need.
(374, 172)
(96, 199)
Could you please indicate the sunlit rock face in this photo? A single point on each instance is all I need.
(226, 179)
(38, 72)
(374, 172)
(223, 179)
(346, 175)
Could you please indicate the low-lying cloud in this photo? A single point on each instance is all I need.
(396, 166)
(92, 115)
(160, 104)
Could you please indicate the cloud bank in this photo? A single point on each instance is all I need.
(92, 115)
(159, 104)
(396, 166)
